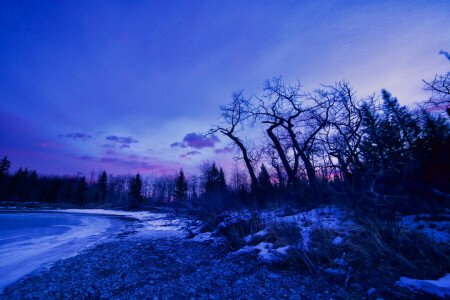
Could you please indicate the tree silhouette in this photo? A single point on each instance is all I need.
(181, 187)
(103, 184)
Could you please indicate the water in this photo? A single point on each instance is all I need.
(33, 240)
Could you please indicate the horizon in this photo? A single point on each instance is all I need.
(130, 87)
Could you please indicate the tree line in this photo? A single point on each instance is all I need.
(316, 147)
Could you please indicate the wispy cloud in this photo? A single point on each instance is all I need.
(190, 153)
(223, 150)
(124, 141)
(76, 136)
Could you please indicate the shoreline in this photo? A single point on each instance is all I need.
(23, 258)
(143, 268)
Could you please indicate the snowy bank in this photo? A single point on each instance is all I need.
(440, 287)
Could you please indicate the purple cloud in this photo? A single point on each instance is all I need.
(76, 136)
(122, 139)
(197, 141)
(224, 150)
(125, 141)
(193, 153)
(178, 144)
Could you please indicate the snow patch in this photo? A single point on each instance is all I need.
(440, 287)
(337, 241)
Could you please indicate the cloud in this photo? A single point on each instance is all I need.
(178, 144)
(197, 141)
(224, 150)
(193, 153)
(76, 136)
(122, 139)
(125, 141)
(186, 156)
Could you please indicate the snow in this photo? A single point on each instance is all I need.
(335, 271)
(140, 215)
(439, 231)
(440, 287)
(337, 241)
(324, 218)
(261, 233)
(151, 225)
(203, 237)
(244, 250)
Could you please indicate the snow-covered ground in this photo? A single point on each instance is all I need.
(338, 221)
(440, 287)
(325, 218)
(438, 231)
(151, 225)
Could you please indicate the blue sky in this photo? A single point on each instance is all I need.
(113, 84)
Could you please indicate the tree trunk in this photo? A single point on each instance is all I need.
(277, 144)
(246, 160)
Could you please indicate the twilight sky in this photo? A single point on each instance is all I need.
(128, 86)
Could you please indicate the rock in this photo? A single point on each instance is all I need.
(191, 291)
(239, 281)
(371, 291)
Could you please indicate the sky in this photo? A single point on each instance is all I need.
(130, 86)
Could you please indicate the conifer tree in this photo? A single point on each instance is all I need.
(181, 187)
(212, 181)
(102, 183)
(5, 164)
(135, 188)
(264, 179)
(222, 185)
(81, 191)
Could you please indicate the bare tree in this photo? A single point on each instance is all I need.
(301, 116)
(233, 116)
(440, 89)
(343, 135)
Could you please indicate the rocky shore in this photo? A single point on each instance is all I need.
(138, 268)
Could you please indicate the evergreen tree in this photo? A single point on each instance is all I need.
(212, 181)
(264, 179)
(181, 187)
(102, 183)
(402, 121)
(5, 164)
(81, 191)
(222, 185)
(135, 191)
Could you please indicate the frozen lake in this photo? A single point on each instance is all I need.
(32, 240)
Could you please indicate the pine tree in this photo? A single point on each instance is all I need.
(81, 191)
(264, 179)
(222, 185)
(5, 164)
(212, 181)
(181, 187)
(135, 188)
(102, 183)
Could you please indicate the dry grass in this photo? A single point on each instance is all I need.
(384, 251)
